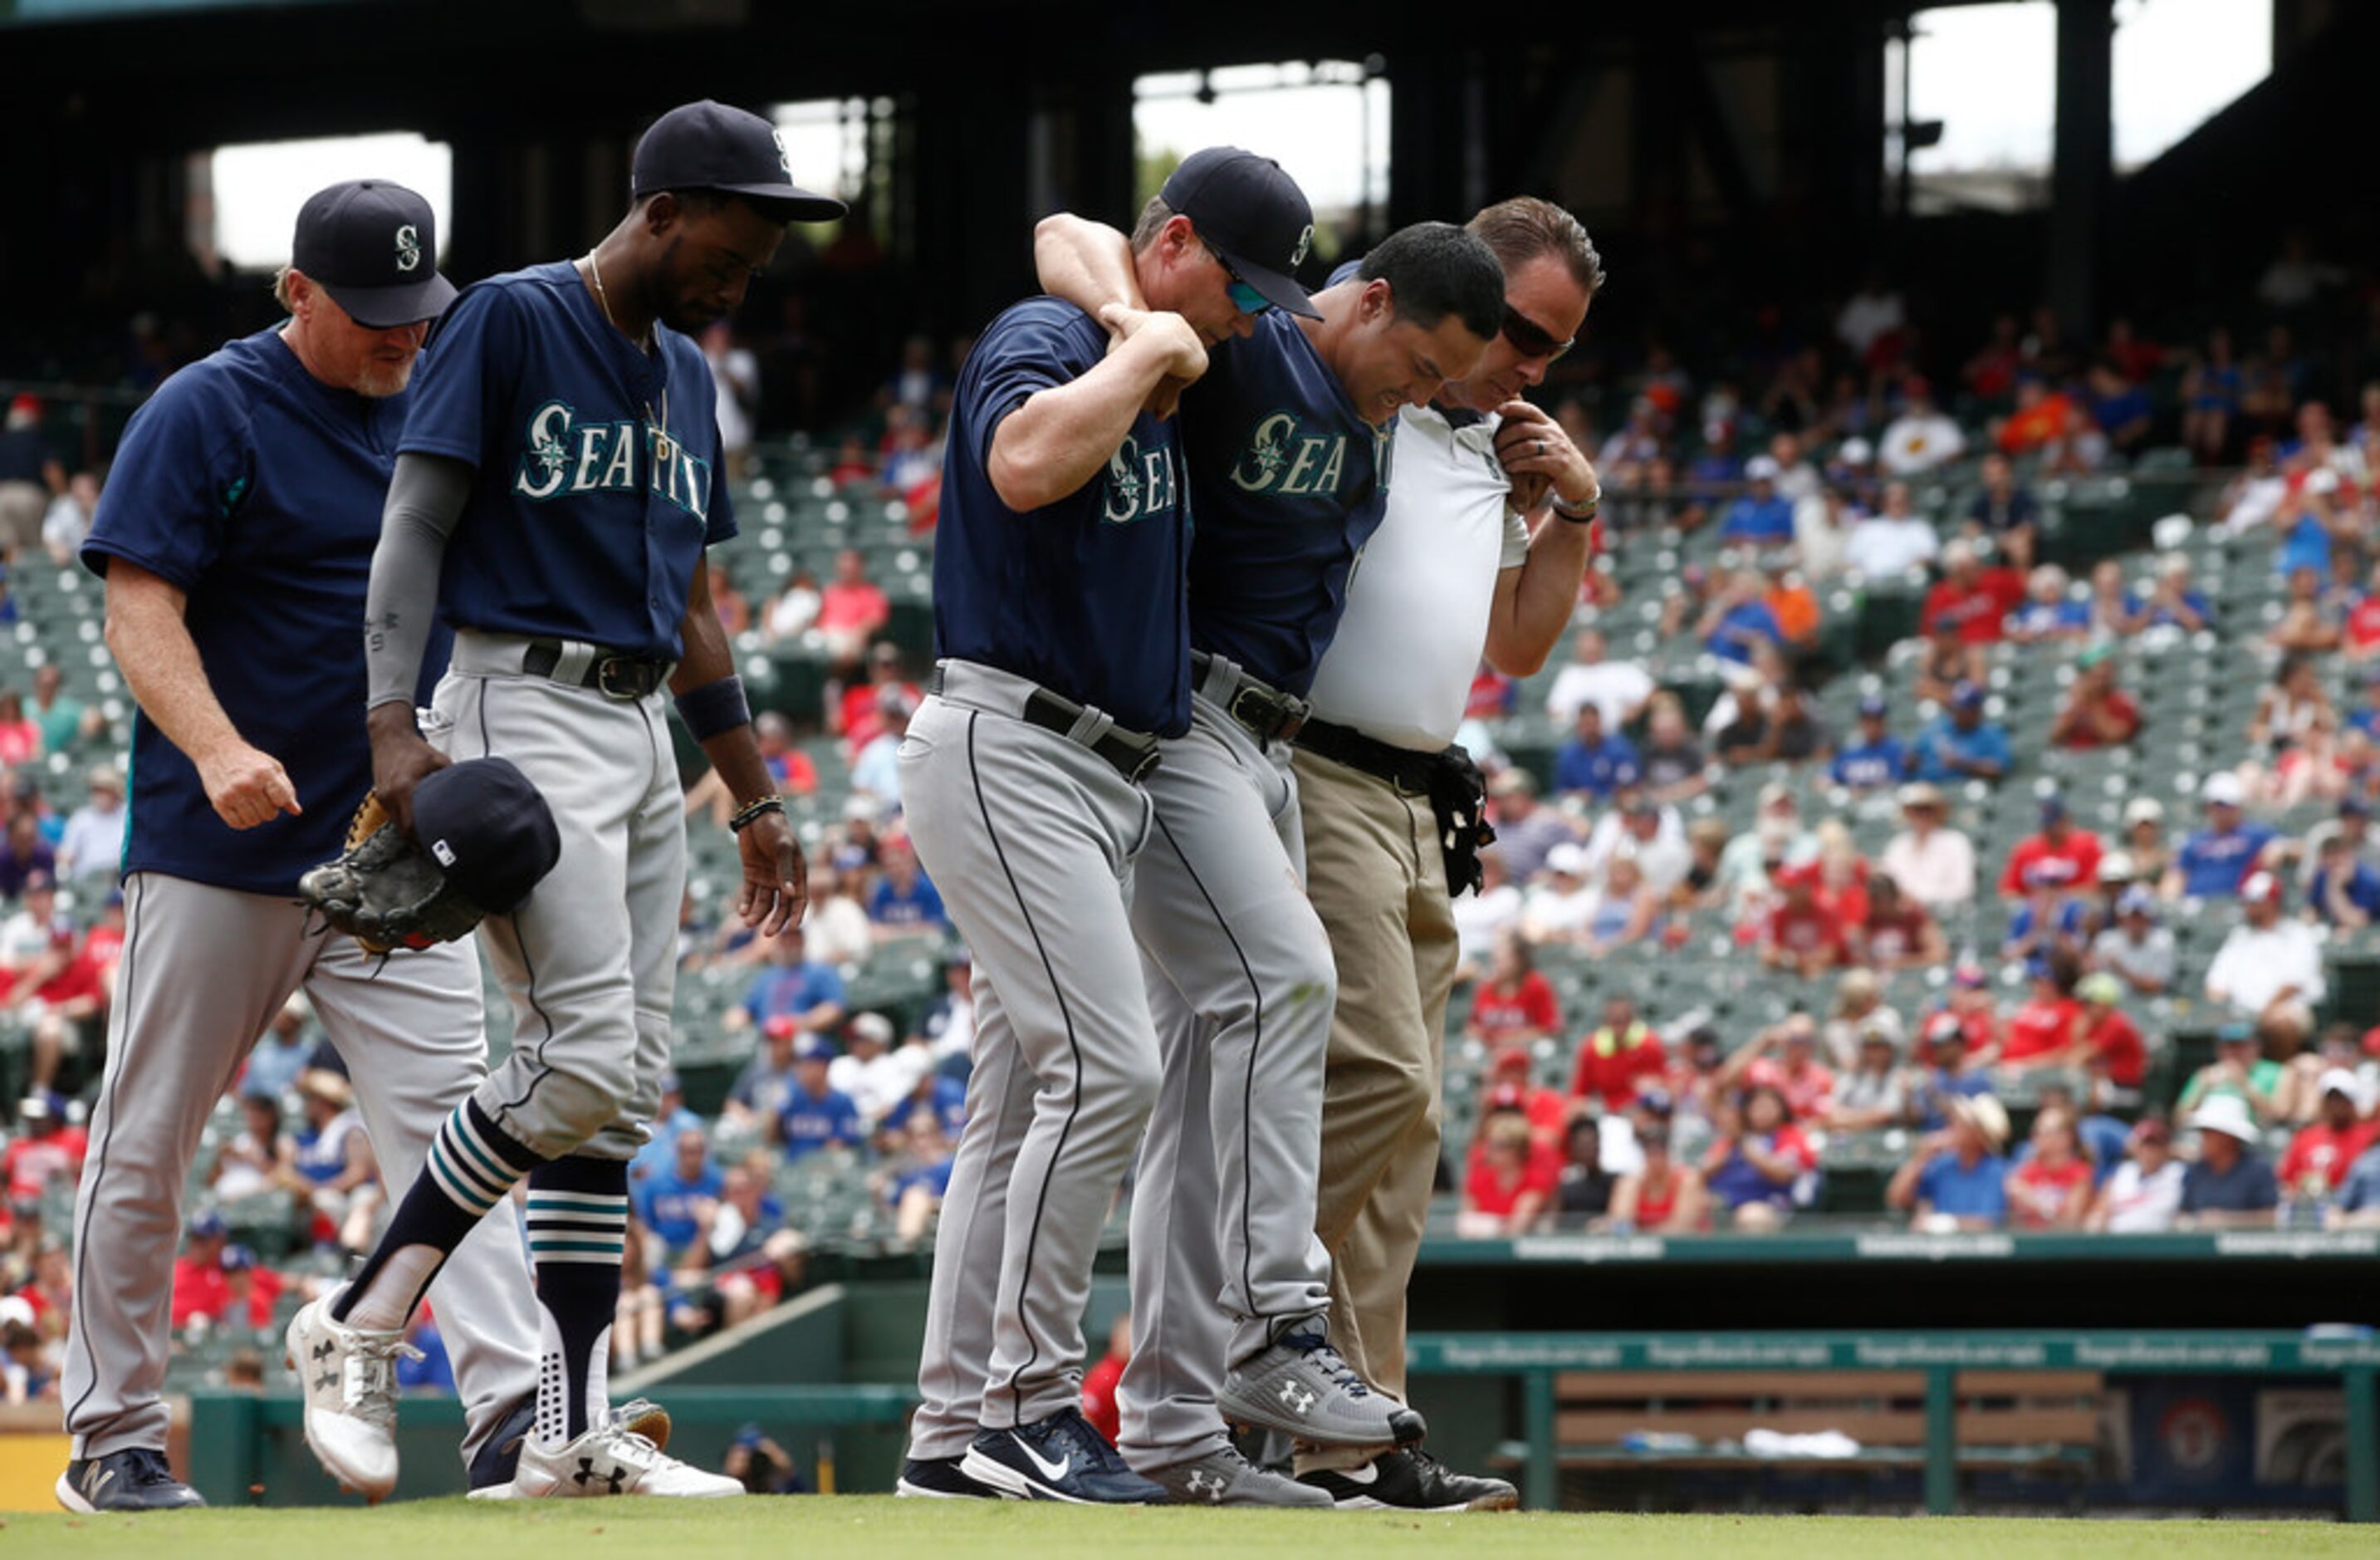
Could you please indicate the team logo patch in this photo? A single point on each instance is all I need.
(784, 154)
(562, 456)
(408, 247)
(1304, 242)
(1280, 457)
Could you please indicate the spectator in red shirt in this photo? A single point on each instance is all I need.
(858, 711)
(200, 1287)
(1803, 933)
(1618, 1059)
(59, 997)
(1784, 1058)
(1512, 1180)
(1664, 1197)
(44, 1150)
(2052, 1189)
(2041, 1033)
(789, 767)
(2061, 857)
(1976, 598)
(1099, 1382)
(2319, 1155)
(852, 609)
(2096, 713)
(1972, 1009)
(2108, 1045)
(1897, 933)
(1508, 1089)
(1514, 1005)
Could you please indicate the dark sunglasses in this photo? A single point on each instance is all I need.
(1532, 339)
(1245, 297)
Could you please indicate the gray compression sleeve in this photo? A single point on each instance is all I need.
(425, 499)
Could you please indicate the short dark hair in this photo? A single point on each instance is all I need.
(1524, 227)
(1435, 269)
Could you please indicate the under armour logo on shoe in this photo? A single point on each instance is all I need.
(326, 1381)
(1300, 1399)
(324, 1350)
(1206, 1486)
(587, 1475)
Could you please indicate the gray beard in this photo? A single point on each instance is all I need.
(378, 384)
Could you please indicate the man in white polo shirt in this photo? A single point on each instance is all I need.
(1452, 571)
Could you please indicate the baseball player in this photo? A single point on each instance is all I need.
(558, 480)
(1061, 626)
(1286, 440)
(235, 534)
(1452, 570)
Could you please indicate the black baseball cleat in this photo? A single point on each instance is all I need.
(941, 1479)
(1411, 1480)
(137, 1480)
(1060, 1458)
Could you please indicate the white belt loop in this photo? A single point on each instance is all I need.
(1090, 725)
(577, 656)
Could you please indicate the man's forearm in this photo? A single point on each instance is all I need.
(1087, 264)
(734, 753)
(161, 666)
(1533, 613)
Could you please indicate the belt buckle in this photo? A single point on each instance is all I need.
(1253, 709)
(1143, 763)
(618, 676)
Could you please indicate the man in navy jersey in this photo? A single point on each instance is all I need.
(1064, 658)
(235, 535)
(1285, 441)
(558, 480)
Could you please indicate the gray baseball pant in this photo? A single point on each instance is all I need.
(1030, 837)
(1224, 1252)
(204, 969)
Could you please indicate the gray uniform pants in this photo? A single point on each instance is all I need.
(204, 970)
(1030, 837)
(590, 959)
(1241, 983)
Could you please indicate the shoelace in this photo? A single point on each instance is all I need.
(370, 1381)
(1318, 1348)
(632, 1410)
(1076, 1434)
(148, 1466)
(627, 1446)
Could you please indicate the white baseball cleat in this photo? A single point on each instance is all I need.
(607, 1460)
(349, 1375)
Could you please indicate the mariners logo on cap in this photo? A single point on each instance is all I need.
(408, 247)
(785, 152)
(1304, 242)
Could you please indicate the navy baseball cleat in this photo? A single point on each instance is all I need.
(1059, 1458)
(941, 1479)
(1411, 1480)
(137, 1480)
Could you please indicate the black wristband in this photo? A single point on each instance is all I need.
(753, 812)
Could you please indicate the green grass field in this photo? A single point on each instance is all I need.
(882, 1529)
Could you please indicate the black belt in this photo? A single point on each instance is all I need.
(1401, 767)
(1268, 715)
(1131, 754)
(615, 677)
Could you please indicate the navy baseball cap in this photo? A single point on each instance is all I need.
(487, 829)
(710, 145)
(209, 1226)
(1967, 696)
(373, 247)
(1252, 213)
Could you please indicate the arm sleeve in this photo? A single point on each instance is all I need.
(425, 499)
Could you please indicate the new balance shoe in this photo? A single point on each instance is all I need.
(499, 1457)
(135, 1480)
(941, 1479)
(1059, 1458)
(349, 1375)
(607, 1460)
(1298, 1385)
(1225, 1478)
(1411, 1480)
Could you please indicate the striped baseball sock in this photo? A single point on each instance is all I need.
(471, 1167)
(578, 1230)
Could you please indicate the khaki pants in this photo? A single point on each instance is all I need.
(1376, 876)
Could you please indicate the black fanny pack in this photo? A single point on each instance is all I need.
(1457, 791)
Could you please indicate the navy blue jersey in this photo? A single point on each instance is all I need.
(1288, 484)
(1083, 596)
(599, 476)
(255, 489)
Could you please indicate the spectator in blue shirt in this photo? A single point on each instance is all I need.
(1957, 1176)
(1874, 759)
(790, 986)
(816, 1115)
(670, 1201)
(2365, 718)
(2172, 603)
(1738, 620)
(1592, 763)
(2307, 532)
(2344, 891)
(1961, 745)
(2212, 862)
(2119, 406)
(668, 1121)
(2048, 612)
(1762, 517)
(2231, 1185)
(1944, 1081)
(904, 899)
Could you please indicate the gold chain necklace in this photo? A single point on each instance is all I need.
(595, 272)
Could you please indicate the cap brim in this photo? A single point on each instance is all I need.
(1281, 290)
(388, 309)
(797, 203)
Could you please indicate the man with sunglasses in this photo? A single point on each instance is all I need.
(1453, 571)
(1285, 439)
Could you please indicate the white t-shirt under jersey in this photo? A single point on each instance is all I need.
(1419, 601)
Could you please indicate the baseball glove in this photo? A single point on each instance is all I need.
(384, 892)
